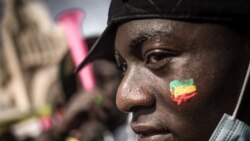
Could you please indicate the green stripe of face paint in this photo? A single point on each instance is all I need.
(177, 83)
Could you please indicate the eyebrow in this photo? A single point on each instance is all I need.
(135, 44)
(158, 35)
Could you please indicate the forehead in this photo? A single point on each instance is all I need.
(150, 26)
(156, 27)
(172, 31)
(133, 29)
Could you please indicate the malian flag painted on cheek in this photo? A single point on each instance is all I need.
(182, 91)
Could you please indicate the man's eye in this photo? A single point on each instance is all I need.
(121, 64)
(123, 67)
(158, 58)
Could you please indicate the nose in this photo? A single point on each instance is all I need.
(133, 92)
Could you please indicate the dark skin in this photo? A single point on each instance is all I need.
(154, 52)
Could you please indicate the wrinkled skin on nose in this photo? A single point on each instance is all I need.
(155, 52)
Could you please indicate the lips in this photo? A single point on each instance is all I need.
(151, 132)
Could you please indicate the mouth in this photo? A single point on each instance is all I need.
(148, 132)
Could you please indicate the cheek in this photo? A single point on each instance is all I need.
(182, 90)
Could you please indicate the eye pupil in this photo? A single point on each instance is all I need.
(156, 57)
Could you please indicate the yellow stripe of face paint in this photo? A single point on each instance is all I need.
(183, 90)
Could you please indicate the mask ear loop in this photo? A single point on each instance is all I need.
(242, 92)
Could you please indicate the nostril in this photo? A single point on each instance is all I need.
(144, 109)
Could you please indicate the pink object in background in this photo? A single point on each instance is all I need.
(70, 21)
(46, 123)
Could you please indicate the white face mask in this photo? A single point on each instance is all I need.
(230, 128)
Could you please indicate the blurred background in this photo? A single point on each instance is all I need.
(41, 98)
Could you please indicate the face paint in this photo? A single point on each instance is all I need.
(182, 91)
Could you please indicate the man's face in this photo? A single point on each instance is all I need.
(155, 54)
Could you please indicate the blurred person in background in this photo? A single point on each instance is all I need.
(93, 116)
(89, 116)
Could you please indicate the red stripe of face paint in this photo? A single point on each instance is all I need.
(183, 98)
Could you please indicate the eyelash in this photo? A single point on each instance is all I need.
(161, 58)
(158, 58)
(121, 63)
